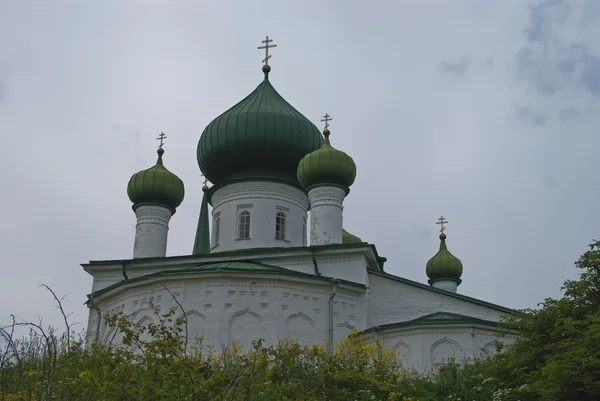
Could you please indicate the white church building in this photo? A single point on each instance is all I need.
(277, 262)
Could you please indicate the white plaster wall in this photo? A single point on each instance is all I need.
(263, 200)
(151, 231)
(425, 348)
(326, 207)
(222, 309)
(392, 301)
(349, 266)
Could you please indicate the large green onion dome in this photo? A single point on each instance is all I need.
(156, 185)
(262, 136)
(444, 265)
(327, 166)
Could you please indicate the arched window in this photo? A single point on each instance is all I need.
(280, 226)
(217, 230)
(244, 225)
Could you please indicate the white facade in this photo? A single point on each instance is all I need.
(151, 230)
(448, 285)
(293, 302)
(326, 207)
(248, 214)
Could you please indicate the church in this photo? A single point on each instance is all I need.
(271, 258)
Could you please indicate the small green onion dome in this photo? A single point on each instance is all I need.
(444, 265)
(156, 185)
(263, 136)
(348, 238)
(327, 166)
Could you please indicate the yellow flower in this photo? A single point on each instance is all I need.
(85, 375)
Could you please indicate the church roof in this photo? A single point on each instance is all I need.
(435, 319)
(239, 266)
(327, 165)
(250, 254)
(444, 265)
(202, 241)
(244, 266)
(262, 136)
(156, 185)
(444, 292)
(348, 238)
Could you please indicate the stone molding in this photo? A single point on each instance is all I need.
(326, 196)
(153, 214)
(259, 189)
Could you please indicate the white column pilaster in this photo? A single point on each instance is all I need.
(151, 231)
(326, 207)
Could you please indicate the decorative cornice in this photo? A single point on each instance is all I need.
(259, 189)
(326, 196)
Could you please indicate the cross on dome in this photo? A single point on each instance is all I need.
(326, 119)
(441, 222)
(267, 47)
(161, 138)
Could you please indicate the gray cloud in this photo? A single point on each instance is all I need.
(422, 232)
(569, 113)
(549, 63)
(457, 69)
(422, 145)
(528, 115)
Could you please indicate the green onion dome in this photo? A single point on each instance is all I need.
(156, 185)
(262, 136)
(327, 166)
(444, 265)
(348, 238)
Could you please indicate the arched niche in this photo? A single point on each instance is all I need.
(300, 327)
(402, 350)
(445, 351)
(196, 327)
(245, 327)
(343, 330)
(488, 349)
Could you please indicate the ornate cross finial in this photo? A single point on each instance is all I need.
(326, 119)
(267, 47)
(442, 221)
(161, 138)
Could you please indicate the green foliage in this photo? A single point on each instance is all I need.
(155, 362)
(557, 358)
(558, 355)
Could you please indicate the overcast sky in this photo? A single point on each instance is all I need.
(484, 111)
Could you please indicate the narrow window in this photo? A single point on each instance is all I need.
(280, 226)
(304, 231)
(217, 230)
(244, 225)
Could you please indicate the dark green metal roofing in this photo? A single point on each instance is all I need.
(202, 242)
(262, 136)
(444, 265)
(436, 319)
(327, 165)
(348, 238)
(239, 266)
(156, 185)
(223, 267)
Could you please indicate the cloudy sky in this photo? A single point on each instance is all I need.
(484, 111)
